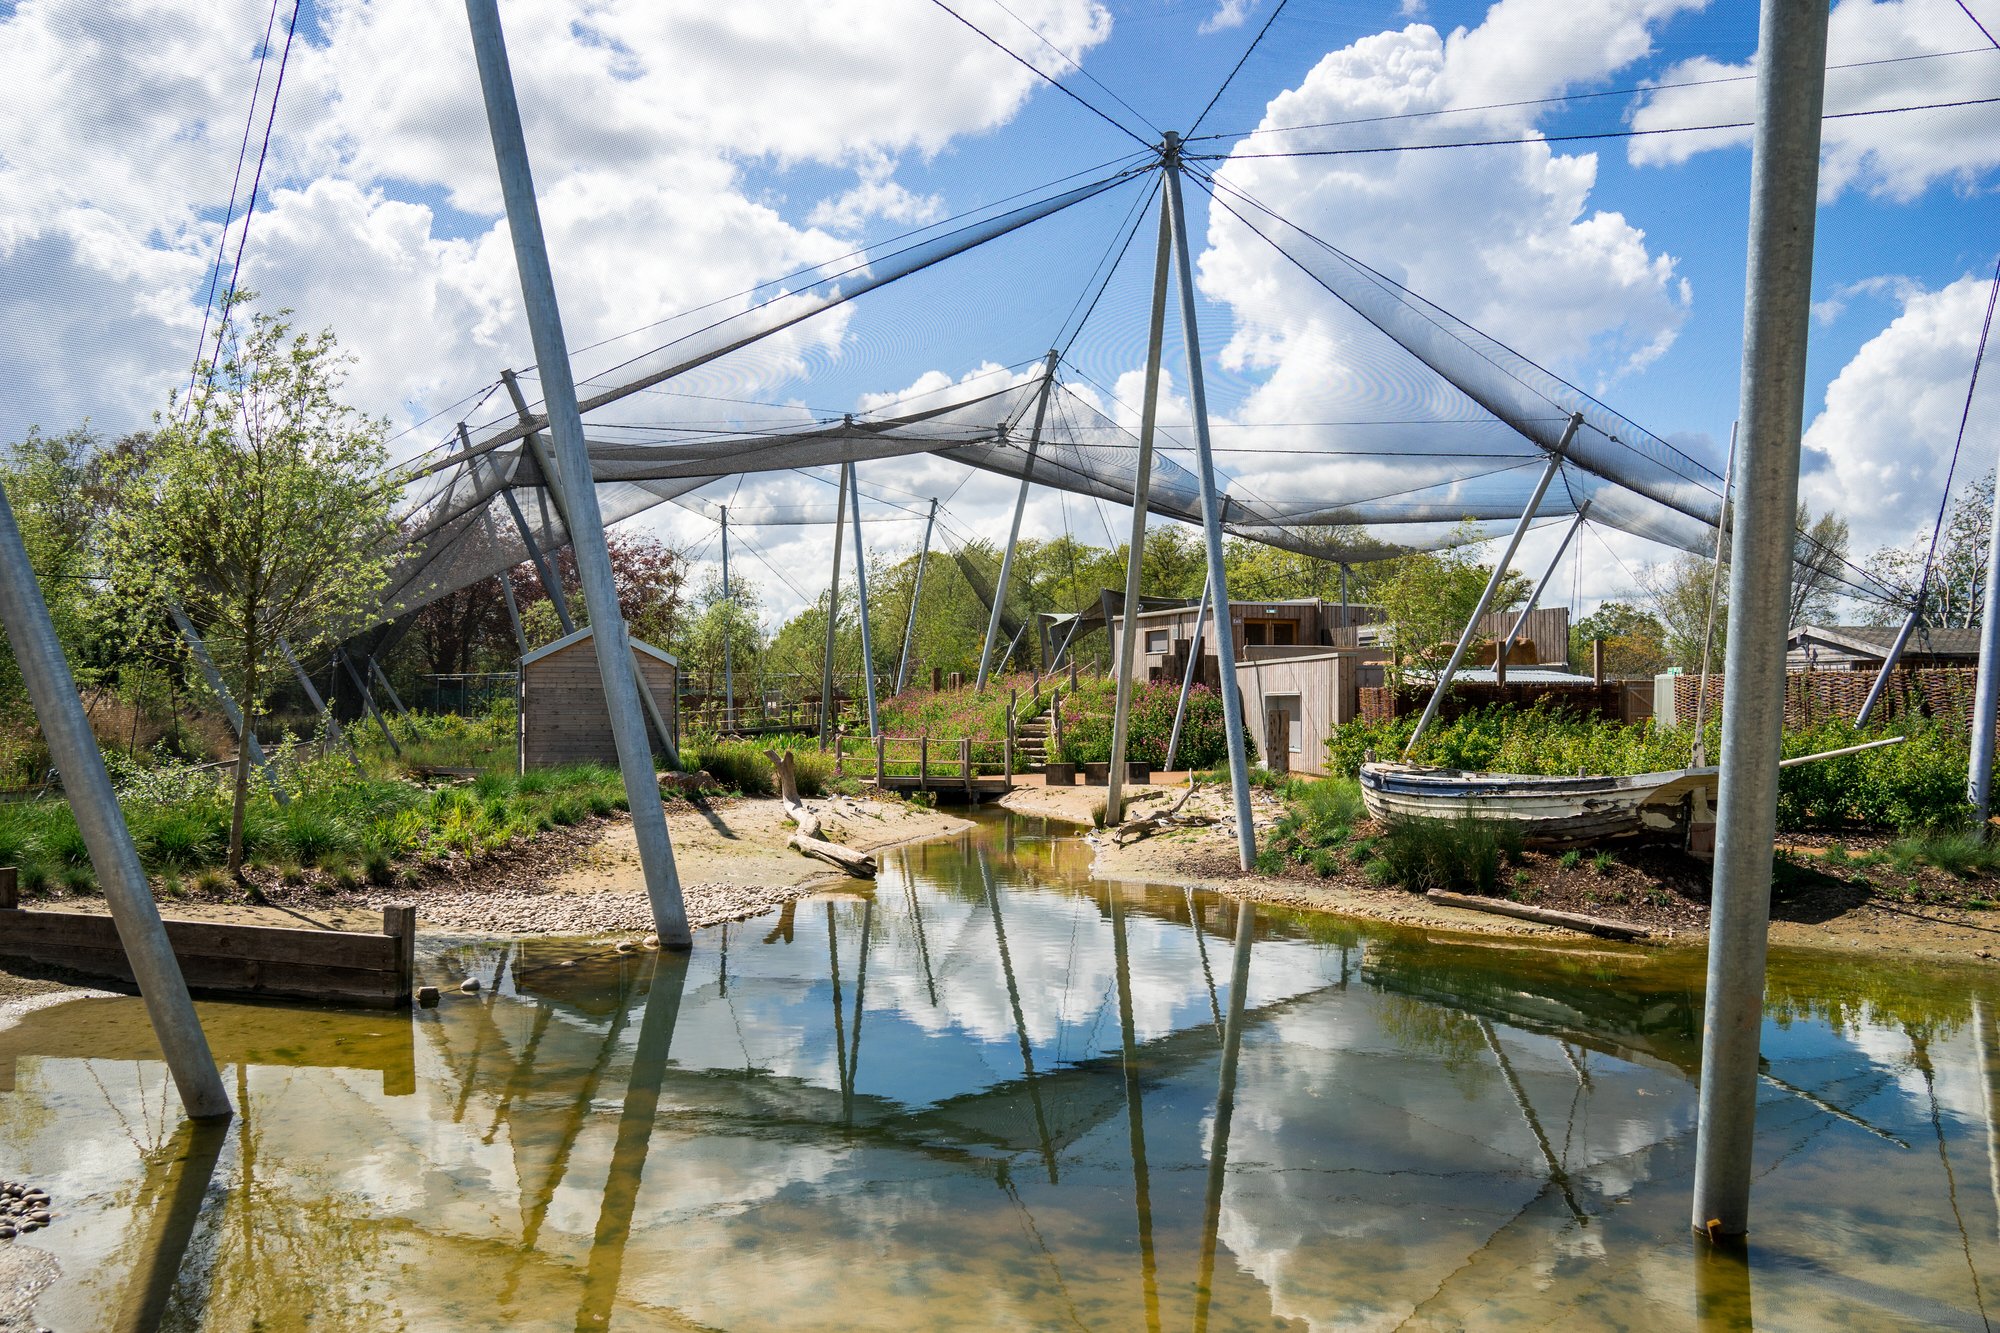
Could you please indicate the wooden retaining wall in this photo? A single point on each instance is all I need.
(235, 961)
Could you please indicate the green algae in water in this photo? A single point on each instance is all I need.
(990, 1093)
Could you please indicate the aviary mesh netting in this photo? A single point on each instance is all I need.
(1437, 433)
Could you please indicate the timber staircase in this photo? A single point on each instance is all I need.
(1031, 744)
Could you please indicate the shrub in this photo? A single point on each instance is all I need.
(178, 838)
(79, 878)
(1086, 728)
(311, 836)
(1453, 854)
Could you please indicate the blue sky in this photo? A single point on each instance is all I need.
(683, 154)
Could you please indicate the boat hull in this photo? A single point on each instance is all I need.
(1550, 811)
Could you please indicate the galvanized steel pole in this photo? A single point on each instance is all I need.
(1895, 653)
(1784, 179)
(826, 677)
(333, 728)
(1714, 589)
(586, 523)
(1211, 516)
(73, 747)
(1986, 697)
(1542, 585)
(1014, 532)
(916, 600)
(728, 631)
(244, 735)
(861, 595)
(1135, 550)
(551, 490)
(1187, 677)
(1471, 630)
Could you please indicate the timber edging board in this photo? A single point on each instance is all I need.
(1591, 925)
(235, 961)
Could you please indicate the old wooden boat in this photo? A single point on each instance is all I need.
(1552, 811)
(1559, 811)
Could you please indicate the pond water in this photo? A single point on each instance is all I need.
(992, 1093)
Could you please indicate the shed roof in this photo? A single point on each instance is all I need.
(575, 637)
(1877, 640)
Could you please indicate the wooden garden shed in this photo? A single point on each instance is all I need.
(562, 715)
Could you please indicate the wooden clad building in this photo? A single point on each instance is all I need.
(562, 713)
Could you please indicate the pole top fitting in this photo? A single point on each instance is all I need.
(1170, 145)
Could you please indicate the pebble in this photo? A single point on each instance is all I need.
(469, 986)
(22, 1209)
(652, 941)
(427, 996)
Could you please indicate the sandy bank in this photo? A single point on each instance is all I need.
(1204, 857)
(730, 853)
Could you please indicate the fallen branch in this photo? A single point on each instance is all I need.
(808, 840)
(1134, 829)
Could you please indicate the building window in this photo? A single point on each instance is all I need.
(1156, 641)
(1284, 632)
(1253, 636)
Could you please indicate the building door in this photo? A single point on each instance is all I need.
(1284, 731)
(1284, 633)
(1253, 635)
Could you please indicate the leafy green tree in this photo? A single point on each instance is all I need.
(718, 619)
(1427, 597)
(1635, 642)
(1819, 566)
(1679, 591)
(260, 510)
(54, 485)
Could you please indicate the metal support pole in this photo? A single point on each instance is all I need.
(543, 570)
(916, 600)
(73, 747)
(333, 728)
(1784, 180)
(513, 611)
(580, 513)
(1986, 696)
(367, 699)
(382, 679)
(1211, 515)
(1714, 589)
(1471, 630)
(1895, 654)
(861, 595)
(1343, 594)
(552, 490)
(728, 631)
(1135, 547)
(826, 677)
(1187, 678)
(244, 736)
(1014, 532)
(1541, 586)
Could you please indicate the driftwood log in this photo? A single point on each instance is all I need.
(1590, 925)
(808, 840)
(1134, 829)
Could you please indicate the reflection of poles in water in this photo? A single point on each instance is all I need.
(860, 995)
(1142, 1189)
(187, 1166)
(538, 1209)
(1557, 1175)
(1982, 1039)
(1920, 1052)
(487, 1031)
(1578, 1063)
(1225, 1110)
(839, 1006)
(1201, 947)
(722, 973)
(1820, 1103)
(1020, 1022)
(1722, 1285)
(917, 915)
(635, 1134)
